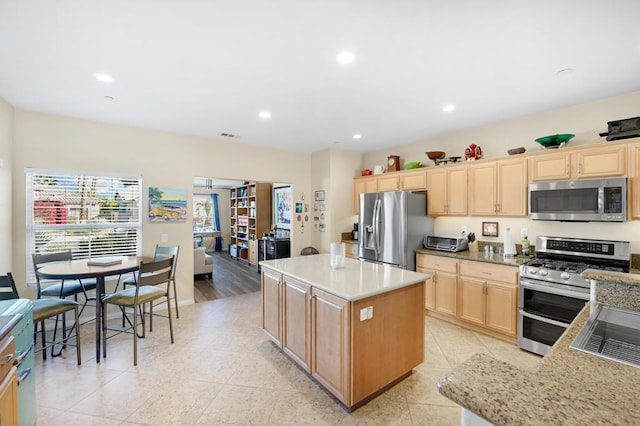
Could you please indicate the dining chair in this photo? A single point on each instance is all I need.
(161, 252)
(44, 309)
(153, 283)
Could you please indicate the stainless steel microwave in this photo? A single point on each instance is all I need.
(596, 200)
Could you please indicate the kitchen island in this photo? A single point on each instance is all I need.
(356, 330)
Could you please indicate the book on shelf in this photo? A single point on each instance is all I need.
(104, 261)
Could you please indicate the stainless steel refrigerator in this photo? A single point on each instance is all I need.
(392, 227)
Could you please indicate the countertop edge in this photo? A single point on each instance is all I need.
(478, 257)
(7, 322)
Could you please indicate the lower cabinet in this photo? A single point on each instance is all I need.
(478, 295)
(441, 290)
(351, 357)
(8, 384)
(271, 299)
(352, 250)
(489, 296)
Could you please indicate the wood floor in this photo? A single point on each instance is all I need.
(230, 278)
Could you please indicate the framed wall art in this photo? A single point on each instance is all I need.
(167, 204)
(319, 195)
(282, 207)
(489, 229)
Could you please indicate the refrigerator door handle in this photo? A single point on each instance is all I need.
(375, 226)
(378, 233)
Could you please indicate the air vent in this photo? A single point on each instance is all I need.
(230, 135)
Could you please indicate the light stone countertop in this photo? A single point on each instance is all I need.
(357, 280)
(570, 387)
(478, 256)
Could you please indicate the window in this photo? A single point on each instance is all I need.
(91, 215)
(205, 212)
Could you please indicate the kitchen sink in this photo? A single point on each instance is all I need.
(611, 333)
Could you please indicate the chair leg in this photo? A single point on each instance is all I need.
(43, 339)
(104, 329)
(78, 352)
(169, 315)
(151, 316)
(175, 297)
(135, 335)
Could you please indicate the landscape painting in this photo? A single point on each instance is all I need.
(167, 204)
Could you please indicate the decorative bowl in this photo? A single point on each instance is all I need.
(435, 155)
(412, 165)
(515, 151)
(555, 141)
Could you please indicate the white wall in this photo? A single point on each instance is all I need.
(584, 120)
(6, 234)
(164, 160)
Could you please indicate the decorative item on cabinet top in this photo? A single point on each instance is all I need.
(555, 141)
(473, 152)
(435, 155)
(412, 165)
(393, 163)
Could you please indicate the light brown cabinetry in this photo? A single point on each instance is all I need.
(441, 289)
(363, 185)
(498, 188)
(330, 333)
(271, 283)
(633, 188)
(414, 181)
(296, 321)
(388, 182)
(488, 296)
(583, 163)
(352, 250)
(447, 188)
(8, 383)
(350, 357)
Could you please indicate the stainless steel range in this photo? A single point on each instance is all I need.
(552, 292)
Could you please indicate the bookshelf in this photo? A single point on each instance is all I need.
(250, 215)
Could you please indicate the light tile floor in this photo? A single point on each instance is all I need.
(222, 369)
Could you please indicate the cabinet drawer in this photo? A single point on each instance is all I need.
(482, 270)
(438, 263)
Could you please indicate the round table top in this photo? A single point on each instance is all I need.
(79, 268)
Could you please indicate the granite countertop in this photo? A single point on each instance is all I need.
(7, 322)
(570, 387)
(478, 256)
(357, 280)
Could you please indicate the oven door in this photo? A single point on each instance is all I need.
(545, 310)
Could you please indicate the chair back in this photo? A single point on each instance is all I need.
(164, 252)
(155, 273)
(8, 287)
(42, 258)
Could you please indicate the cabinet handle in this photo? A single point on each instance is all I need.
(8, 359)
(487, 273)
(579, 168)
(22, 377)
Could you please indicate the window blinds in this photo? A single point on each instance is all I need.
(91, 215)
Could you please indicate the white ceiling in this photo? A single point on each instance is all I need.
(209, 67)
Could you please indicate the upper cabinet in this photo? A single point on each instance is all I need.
(363, 185)
(408, 180)
(498, 188)
(583, 163)
(633, 184)
(447, 189)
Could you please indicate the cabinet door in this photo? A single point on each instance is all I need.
(601, 162)
(9, 399)
(330, 349)
(296, 321)
(271, 304)
(413, 180)
(634, 181)
(502, 307)
(472, 303)
(429, 288)
(388, 182)
(511, 187)
(437, 190)
(482, 189)
(457, 191)
(550, 166)
(446, 286)
(363, 185)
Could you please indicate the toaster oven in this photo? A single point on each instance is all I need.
(450, 244)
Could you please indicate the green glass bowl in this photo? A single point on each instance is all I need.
(412, 165)
(554, 140)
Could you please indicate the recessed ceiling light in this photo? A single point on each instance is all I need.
(265, 114)
(345, 57)
(357, 136)
(565, 72)
(105, 78)
(448, 108)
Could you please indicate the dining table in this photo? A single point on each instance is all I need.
(79, 269)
